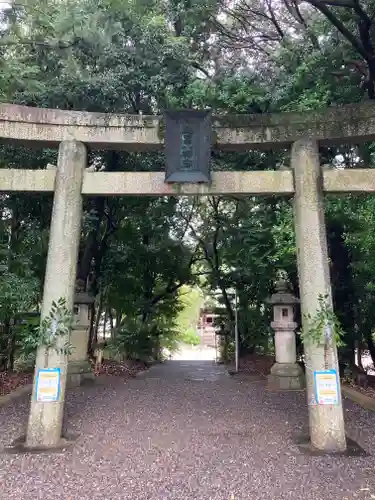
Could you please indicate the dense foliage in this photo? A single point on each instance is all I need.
(136, 254)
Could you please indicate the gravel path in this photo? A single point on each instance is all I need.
(183, 430)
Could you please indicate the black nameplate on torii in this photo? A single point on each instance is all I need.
(187, 144)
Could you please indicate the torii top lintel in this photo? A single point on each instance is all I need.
(352, 123)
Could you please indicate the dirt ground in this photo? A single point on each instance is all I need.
(184, 430)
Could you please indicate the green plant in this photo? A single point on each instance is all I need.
(26, 334)
(50, 332)
(144, 340)
(324, 326)
(25, 363)
(190, 337)
(131, 344)
(348, 374)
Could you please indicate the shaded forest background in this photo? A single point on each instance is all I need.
(145, 258)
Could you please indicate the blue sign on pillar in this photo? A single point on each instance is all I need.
(188, 139)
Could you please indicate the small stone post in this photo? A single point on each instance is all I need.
(286, 373)
(46, 417)
(326, 422)
(79, 367)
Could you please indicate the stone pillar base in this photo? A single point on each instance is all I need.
(78, 371)
(286, 377)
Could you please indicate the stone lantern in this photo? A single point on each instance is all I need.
(78, 365)
(286, 373)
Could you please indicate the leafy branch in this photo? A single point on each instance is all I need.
(52, 328)
(324, 326)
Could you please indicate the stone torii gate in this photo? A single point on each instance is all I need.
(306, 181)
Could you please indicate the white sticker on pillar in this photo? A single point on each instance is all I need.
(326, 387)
(48, 385)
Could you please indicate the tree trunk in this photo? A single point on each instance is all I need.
(84, 263)
(148, 282)
(95, 320)
(118, 319)
(227, 303)
(90, 349)
(105, 323)
(110, 314)
(371, 79)
(359, 354)
(11, 336)
(370, 344)
(9, 332)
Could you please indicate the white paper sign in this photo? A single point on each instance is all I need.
(48, 385)
(326, 387)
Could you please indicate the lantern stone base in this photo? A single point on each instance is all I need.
(286, 376)
(78, 372)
